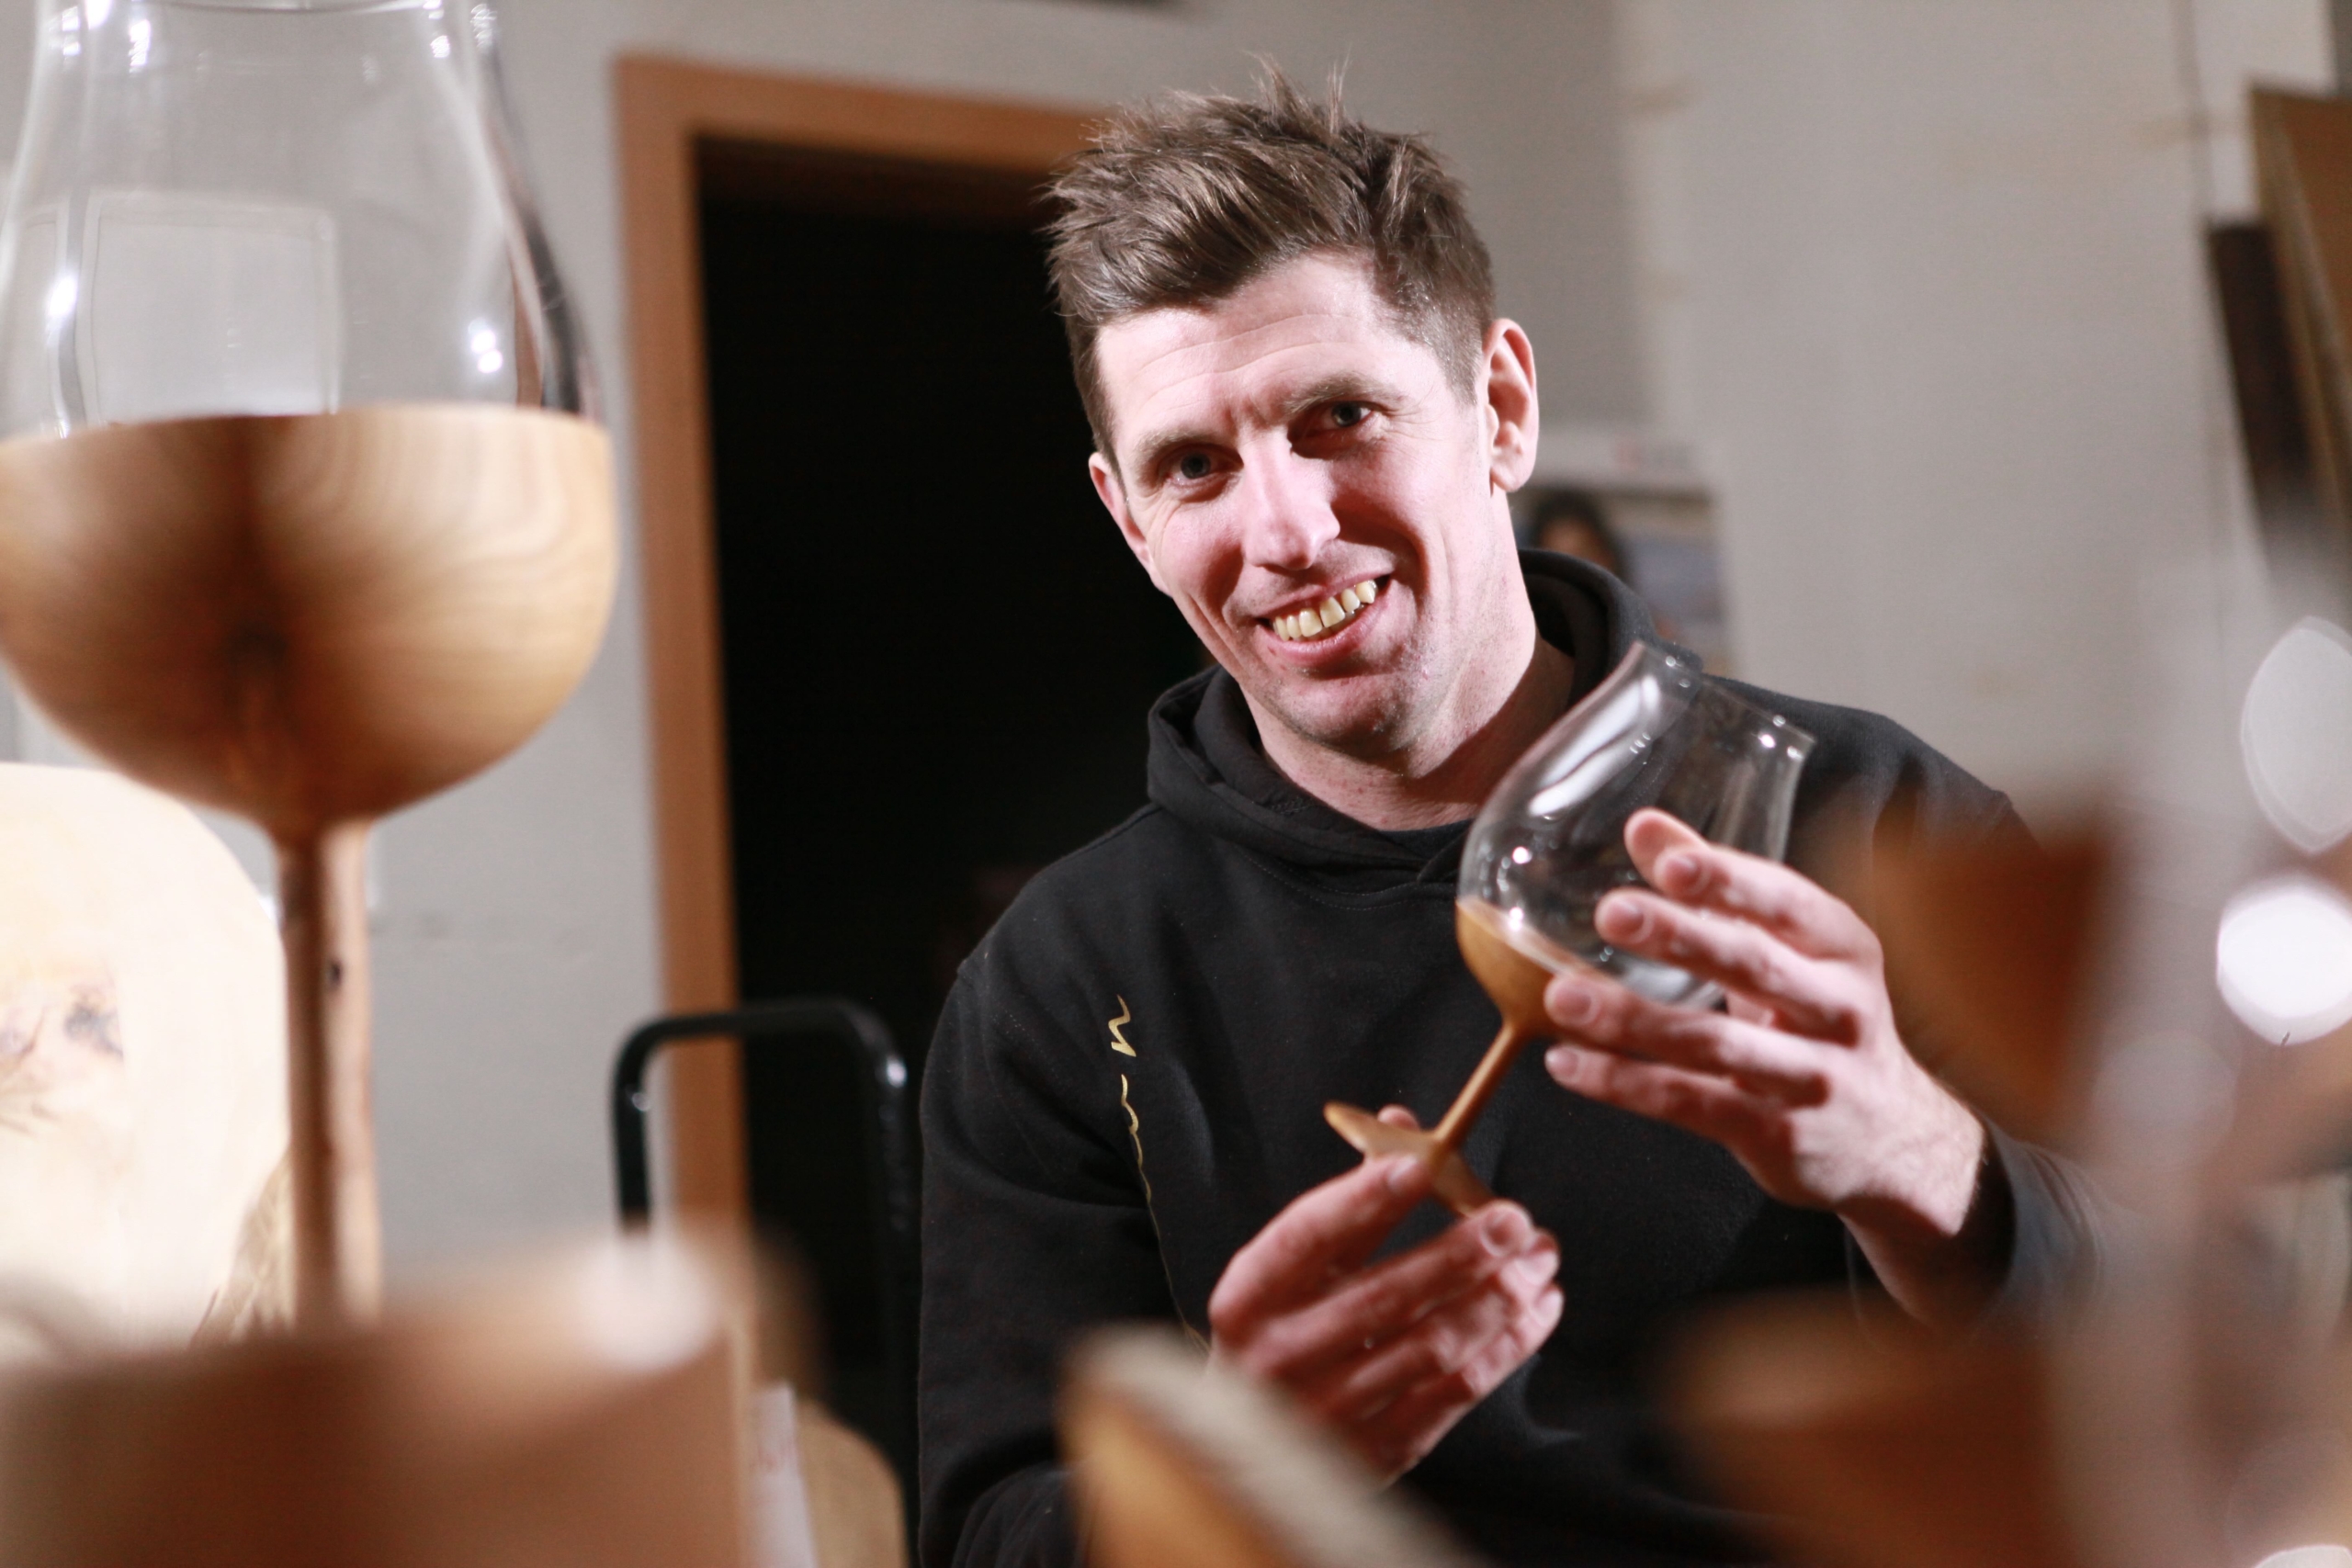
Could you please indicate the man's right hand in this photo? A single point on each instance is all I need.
(1388, 1355)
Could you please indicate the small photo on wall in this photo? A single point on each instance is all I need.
(1661, 545)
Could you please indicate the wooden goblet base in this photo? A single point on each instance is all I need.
(1456, 1186)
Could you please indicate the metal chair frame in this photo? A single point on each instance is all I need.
(887, 1144)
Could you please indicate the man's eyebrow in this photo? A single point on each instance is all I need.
(1345, 387)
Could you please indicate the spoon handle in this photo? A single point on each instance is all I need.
(1483, 1081)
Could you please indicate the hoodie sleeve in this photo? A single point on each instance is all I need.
(2060, 1231)
(1034, 1230)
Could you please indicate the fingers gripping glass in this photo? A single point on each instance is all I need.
(1550, 844)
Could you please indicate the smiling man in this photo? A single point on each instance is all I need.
(1308, 421)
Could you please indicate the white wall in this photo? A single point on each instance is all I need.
(515, 938)
(1924, 280)
(1920, 274)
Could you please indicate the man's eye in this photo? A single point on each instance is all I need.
(1194, 466)
(1346, 414)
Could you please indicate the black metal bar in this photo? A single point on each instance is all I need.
(889, 1168)
(836, 1016)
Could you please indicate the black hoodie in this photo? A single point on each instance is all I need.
(1127, 1084)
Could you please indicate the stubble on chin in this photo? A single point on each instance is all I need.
(1366, 718)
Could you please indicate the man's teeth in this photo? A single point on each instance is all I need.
(1309, 623)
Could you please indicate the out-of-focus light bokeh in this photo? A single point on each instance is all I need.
(2283, 958)
(2308, 1557)
(2296, 729)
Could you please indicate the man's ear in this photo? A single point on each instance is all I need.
(1114, 501)
(1508, 378)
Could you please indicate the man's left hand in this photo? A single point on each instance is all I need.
(1804, 1079)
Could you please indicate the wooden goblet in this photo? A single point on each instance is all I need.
(1514, 970)
(311, 621)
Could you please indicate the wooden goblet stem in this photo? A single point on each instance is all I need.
(1515, 978)
(1440, 1148)
(1485, 1079)
(1514, 965)
(338, 1238)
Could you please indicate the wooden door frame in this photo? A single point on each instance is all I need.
(667, 111)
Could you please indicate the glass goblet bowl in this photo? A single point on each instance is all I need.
(1550, 843)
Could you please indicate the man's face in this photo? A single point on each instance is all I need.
(1282, 447)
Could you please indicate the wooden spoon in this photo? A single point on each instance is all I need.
(1514, 965)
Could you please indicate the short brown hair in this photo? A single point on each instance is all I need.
(1184, 200)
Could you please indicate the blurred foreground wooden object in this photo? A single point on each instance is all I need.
(1868, 1448)
(587, 1413)
(142, 1074)
(311, 621)
(825, 1496)
(1862, 1443)
(1182, 1465)
(1993, 944)
(855, 1512)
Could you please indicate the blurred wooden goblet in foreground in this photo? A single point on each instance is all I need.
(587, 1410)
(311, 622)
(1184, 1464)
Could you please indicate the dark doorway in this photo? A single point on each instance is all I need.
(938, 654)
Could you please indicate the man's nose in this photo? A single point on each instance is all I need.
(1286, 510)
